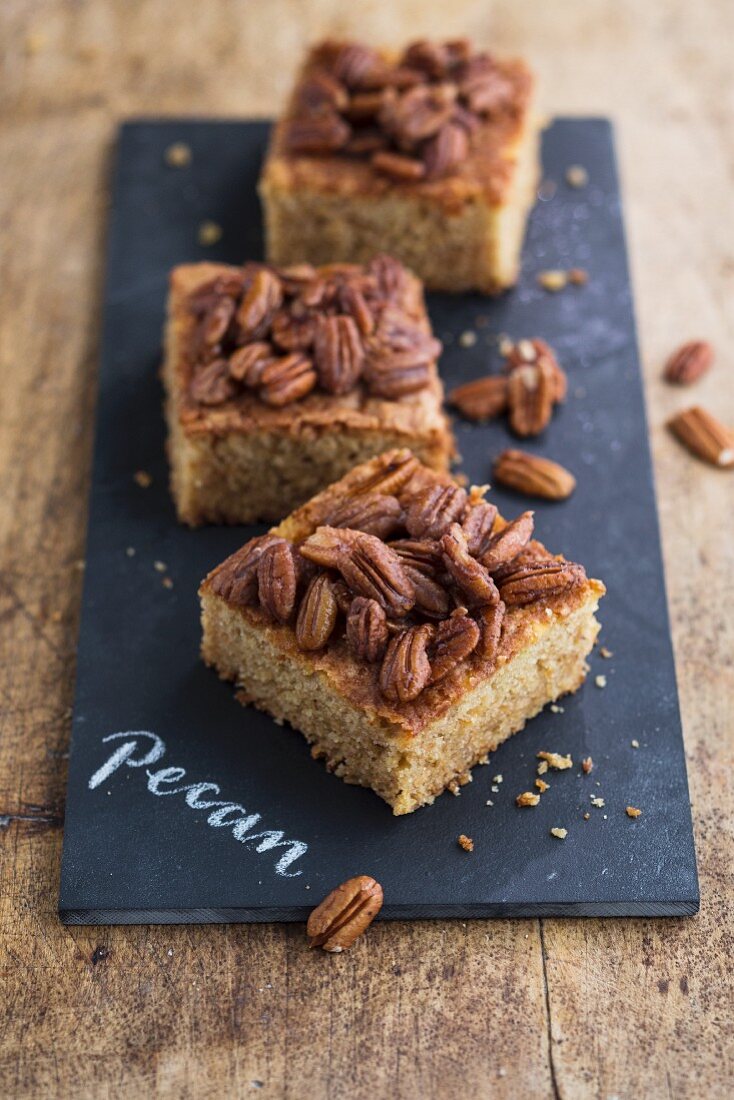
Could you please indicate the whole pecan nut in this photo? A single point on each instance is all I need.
(212, 385)
(389, 474)
(505, 546)
(490, 621)
(344, 914)
(431, 512)
(482, 399)
(444, 152)
(455, 639)
(472, 578)
(540, 580)
(372, 569)
(704, 436)
(277, 580)
(398, 167)
(406, 670)
(431, 598)
(263, 297)
(689, 362)
(533, 475)
(367, 629)
(294, 329)
(423, 555)
(477, 526)
(287, 379)
(317, 614)
(236, 580)
(247, 363)
(328, 546)
(317, 133)
(338, 353)
(530, 398)
(533, 351)
(375, 513)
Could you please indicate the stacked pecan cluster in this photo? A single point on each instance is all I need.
(534, 382)
(419, 581)
(413, 119)
(280, 333)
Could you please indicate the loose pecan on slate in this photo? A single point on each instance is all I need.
(277, 580)
(406, 669)
(344, 915)
(481, 399)
(534, 475)
(533, 351)
(704, 435)
(530, 397)
(317, 614)
(367, 629)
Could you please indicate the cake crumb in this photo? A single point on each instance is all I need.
(468, 339)
(130, 551)
(178, 155)
(462, 480)
(556, 761)
(160, 566)
(635, 743)
(600, 681)
(555, 709)
(542, 767)
(504, 345)
(542, 785)
(552, 280)
(606, 653)
(586, 765)
(598, 802)
(143, 479)
(494, 788)
(209, 233)
(481, 320)
(547, 190)
(561, 834)
(496, 778)
(632, 811)
(489, 803)
(527, 798)
(577, 176)
(167, 582)
(587, 815)
(579, 276)
(454, 787)
(466, 843)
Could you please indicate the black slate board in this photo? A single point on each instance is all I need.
(131, 856)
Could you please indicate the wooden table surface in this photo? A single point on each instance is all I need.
(570, 1008)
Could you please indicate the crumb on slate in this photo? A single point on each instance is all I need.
(178, 155)
(606, 653)
(130, 551)
(586, 765)
(555, 760)
(160, 566)
(468, 339)
(632, 811)
(598, 802)
(587, 816)
(143, 479)
(577, 176)
(561, 834)
(527, 798)
(542, 767)
(600, 681)
(542, 785)
(209, 233)
(466, 843)
(167, 582)
(552, 280)
(578, 276)
(635, 743)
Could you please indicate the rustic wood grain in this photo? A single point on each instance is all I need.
(560, 1008)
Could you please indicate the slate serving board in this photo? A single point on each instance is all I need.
(152, 831)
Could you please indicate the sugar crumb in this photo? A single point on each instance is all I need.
(598, 802)
(496, 778)
(635, 743)
(561, 834)
(489, 803)
(600, 681)
(468, 339)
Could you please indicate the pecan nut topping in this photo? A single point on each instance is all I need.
(539, 580)
(397, 166)
(367, 629)
(431, 599)
(689, 362)
(406, 670)
(505, 546)
(263, 297)
(317, 614)
(391, 474)
(374, 513)
(372, 569)
(533, 475)
(236, 580)
(338, 353)
(212, 385)
(446, 150)
(294, 329)
(422, 555)
(482, 399)
(345, 914)
(466, 572)
(454, 640)
(317, 134)
(248, 362)
(277, 580)
(432, 511)
(530, 398)
(286, 379)
(490, 620)
(477, 526)
(328, 546)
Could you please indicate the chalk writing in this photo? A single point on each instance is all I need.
(140, 749)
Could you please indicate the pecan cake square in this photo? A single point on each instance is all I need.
(402, 625)
(279, 380)
(430, 155)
